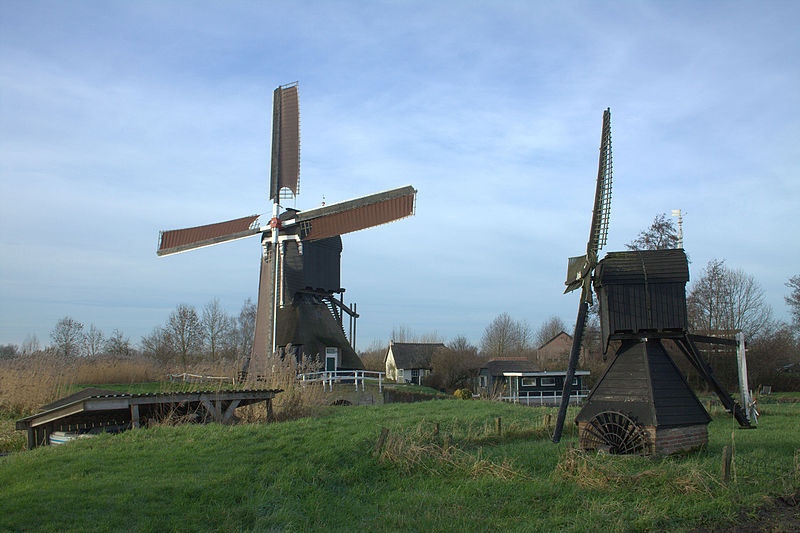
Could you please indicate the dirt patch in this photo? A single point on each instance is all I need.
(781, 515)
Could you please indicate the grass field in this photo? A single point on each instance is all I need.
(320, 474)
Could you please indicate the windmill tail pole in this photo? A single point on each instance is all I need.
(577, 340)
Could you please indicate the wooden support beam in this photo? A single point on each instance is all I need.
(270, 414)
(135, 415)
(211, 409)
(31, 438)
(229, 411)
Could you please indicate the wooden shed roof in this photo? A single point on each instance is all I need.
(640, 266)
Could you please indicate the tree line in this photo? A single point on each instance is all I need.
(722, 299)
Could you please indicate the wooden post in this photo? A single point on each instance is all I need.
(726, 464)
(548, 418)
(31, 438)
(270, 414)
(135, 415)
(498, 426)
(381, 440)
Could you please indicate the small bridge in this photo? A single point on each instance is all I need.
(349, 377)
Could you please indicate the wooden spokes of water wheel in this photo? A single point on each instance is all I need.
(615, 433)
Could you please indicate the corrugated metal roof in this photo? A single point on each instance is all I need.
(179, 240)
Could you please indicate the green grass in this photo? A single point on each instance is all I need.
(320, 474)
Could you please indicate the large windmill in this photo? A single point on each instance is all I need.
(580, 269)
(299, 313)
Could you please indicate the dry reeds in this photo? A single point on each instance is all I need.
(602, 471)
(27, 383)
(298, 399)
(420, 450)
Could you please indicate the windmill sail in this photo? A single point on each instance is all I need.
(285, 171)
(180, 240)
(358, 214)
(579, 271)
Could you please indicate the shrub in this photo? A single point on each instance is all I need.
(463, 394)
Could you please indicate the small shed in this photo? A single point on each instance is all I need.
(642, 291)
(410, 362)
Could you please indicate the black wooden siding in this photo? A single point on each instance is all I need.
(642, 381)
(642, 292)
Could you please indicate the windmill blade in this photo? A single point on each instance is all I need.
(285, 171)
(602, 196)
(354, 215)
(181, 240)
(580, 269)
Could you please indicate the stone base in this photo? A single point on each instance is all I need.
(679, 439)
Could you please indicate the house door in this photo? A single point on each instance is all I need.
(330, 359)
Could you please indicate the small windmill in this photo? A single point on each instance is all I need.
(580, 269)
(298, 311)
(642, 403)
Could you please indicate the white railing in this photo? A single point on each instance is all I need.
(544, 397)
(197, 378)
(328, 378)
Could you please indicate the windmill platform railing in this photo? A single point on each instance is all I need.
(544, 397)
(354, 377)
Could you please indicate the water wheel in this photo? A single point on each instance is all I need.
(615, 433)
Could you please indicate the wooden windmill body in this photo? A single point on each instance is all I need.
(300, 307)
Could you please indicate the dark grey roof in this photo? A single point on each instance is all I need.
(80, 395)
(653, 266)
(496, 367)
(413, 354)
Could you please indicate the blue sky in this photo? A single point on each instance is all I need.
(118, 119)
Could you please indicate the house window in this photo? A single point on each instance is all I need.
(528, 382)
(574, 382)
(483, 381)
(548, 382)
(414, 373)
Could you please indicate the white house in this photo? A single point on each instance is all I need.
(410, 362)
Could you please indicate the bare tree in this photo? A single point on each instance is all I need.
(373, 356)
(30, 345)
(217, 328)
(93, 340)
(793, 300)
(661, 235)
(158, 345)
(185, 332)
(118, 344)
(245, 328)
(728, 299)
(404, 334)
(455, 366)
(505, 336)
(67, 336)
(549, 329)
(8, 351)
